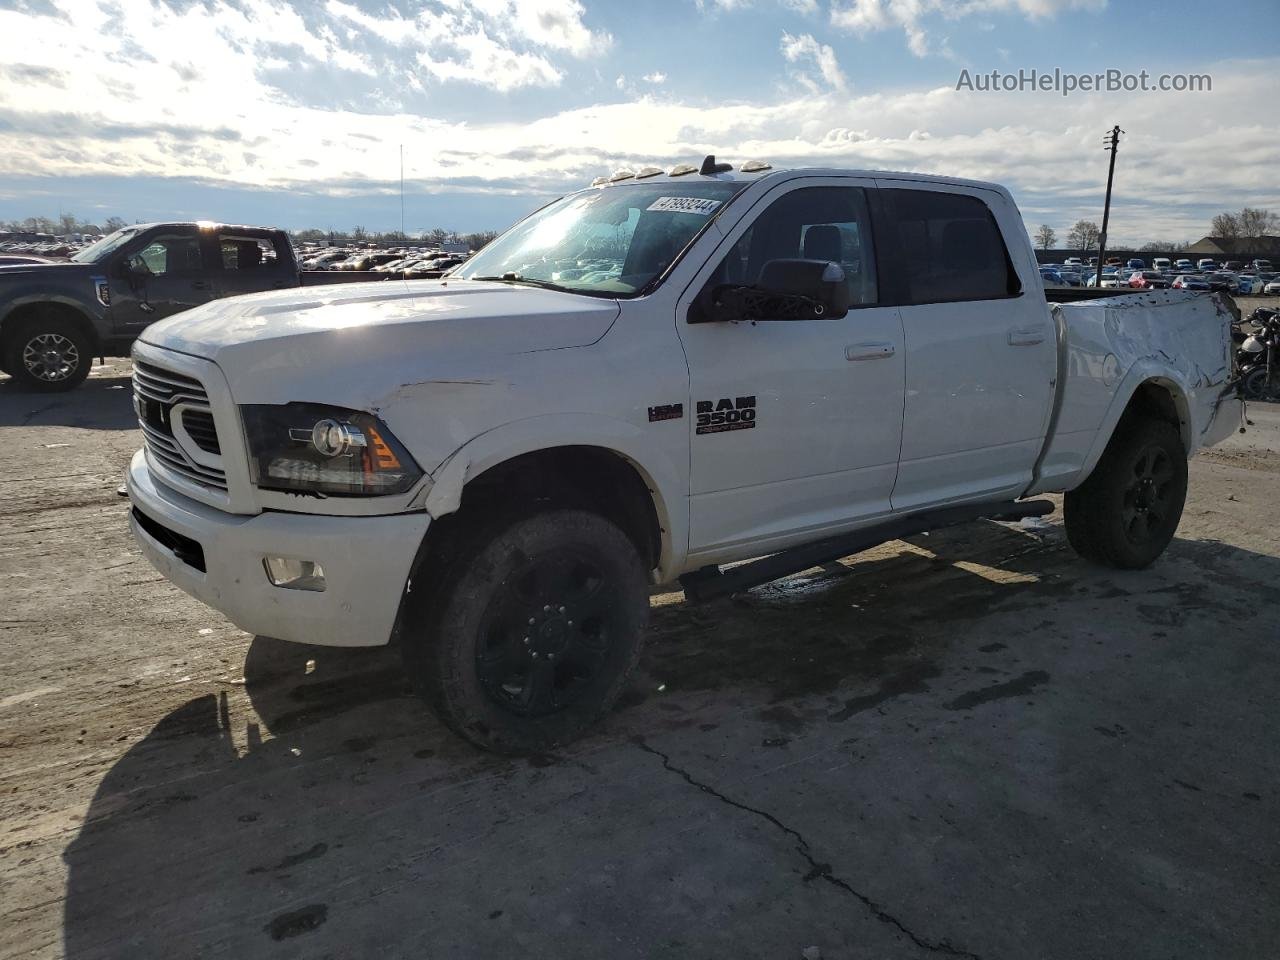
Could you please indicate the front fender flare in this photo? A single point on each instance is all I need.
(662, 475)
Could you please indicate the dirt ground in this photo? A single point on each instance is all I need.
(971, 744)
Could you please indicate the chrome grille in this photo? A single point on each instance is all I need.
(200, 428)
(166, 387)
(158, 389)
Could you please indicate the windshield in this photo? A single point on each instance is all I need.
(101, 248)
(608, 242)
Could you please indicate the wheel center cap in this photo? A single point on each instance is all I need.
(553, 635)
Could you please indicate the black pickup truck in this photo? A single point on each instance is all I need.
(56, 317)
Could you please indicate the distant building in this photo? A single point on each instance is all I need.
(1266, 247)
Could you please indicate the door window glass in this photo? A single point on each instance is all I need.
(951, 247)
(169, 254)
(812, 223)
(247, 253)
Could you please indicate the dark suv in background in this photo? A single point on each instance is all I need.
(56, 317)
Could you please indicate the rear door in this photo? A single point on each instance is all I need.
(981, 350)
(249, 261)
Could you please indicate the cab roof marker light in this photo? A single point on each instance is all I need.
(648, 172)
(682, 169)
(755, 166)
(621, 175)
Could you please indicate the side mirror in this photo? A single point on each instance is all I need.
(786, 290)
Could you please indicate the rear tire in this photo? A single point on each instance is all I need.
(1126, 513)
(526, 634)
(48, 354)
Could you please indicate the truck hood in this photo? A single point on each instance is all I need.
(313, 343)
(61, 270)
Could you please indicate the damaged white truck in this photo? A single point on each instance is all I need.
(640, 383)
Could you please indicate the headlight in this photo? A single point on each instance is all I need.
(314, 448)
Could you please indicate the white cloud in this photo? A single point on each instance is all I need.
(804, 48)
(217, 120)
(868, 16)
(656, 78)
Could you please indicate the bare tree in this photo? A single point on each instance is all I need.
(359, 233)
(1226, 226)
(113, 224)
(1046, 237)
(1254, 222)
(1083, 236)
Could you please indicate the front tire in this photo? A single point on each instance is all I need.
(531, 629)
(1126, 513)
(48, 354)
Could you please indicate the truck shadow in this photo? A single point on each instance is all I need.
(249, 817)
(100, 403)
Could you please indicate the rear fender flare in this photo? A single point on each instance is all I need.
(1144, 371)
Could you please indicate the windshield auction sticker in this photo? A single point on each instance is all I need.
(684, 205)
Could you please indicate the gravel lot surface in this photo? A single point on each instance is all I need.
(971, 744)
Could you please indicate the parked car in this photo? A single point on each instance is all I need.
(1136, 263)
(1262, 266)
(1233, 265)
(1148, 280)
(1183, 266)
(1206, 264)
(1272, 288)
(493, 469)
(56, 317)
(1189, 282)
(1220, 282)
(1162, 264)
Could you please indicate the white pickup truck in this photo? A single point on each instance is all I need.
(640, 383)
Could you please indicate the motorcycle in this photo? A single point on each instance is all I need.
(1258, 358)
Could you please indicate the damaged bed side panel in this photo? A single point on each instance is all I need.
(1178, 341)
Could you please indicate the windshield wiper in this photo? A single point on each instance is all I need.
(512, 277)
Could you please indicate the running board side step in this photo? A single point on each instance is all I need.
(709, 582)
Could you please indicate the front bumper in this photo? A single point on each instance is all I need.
(366, 563)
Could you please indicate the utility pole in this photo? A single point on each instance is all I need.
(402, 234)
(1112, 141)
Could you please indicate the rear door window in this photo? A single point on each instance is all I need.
(951, 247)
(247, 253)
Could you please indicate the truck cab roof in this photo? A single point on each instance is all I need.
(769, 173)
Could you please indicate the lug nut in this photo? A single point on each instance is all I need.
(551, 656)
(571, 623)
(526, 641)
(562, 609)
(532, 621)
(534, 654)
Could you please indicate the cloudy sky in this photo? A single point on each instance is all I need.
(293, 112)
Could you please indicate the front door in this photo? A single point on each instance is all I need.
(159, 275)
(796, 424)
